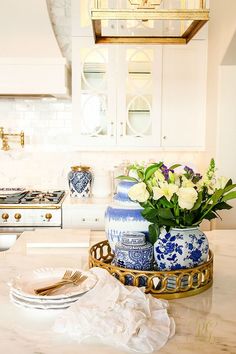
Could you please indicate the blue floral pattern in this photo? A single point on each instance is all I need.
(80, 183)
(181, 248)
(134, 256)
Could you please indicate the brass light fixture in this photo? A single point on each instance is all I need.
(5, 137)
(148, 22)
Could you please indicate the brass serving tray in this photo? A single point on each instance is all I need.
(161, 284)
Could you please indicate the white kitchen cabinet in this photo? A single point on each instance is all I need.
(140, 97)
(116, 94)
(94, 107)
(85, 213)
(184, 95)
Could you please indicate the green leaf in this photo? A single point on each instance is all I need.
(198, 202)
(154, 232)
(149, 213)
(165, 213)
(164, 202)
(167, 222)
(217, 195)
(127, 178)
(151, 170)
(229, 183)
(222, 206)
(174, 166)
(189, 219)
(229, 196)
(211, 215)
(146, 210)
(229, 187)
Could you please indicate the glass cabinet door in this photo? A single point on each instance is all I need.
(94, 93)
(139, 96)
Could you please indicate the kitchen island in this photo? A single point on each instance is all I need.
(205, 323)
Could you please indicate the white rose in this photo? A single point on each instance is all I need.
(187, 197)
(221, 182)
(138, 192)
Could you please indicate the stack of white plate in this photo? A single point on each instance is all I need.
(22, 289)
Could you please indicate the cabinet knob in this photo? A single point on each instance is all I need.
(5, 216)
(164, 137)
(112, 128)
(96, 219)
(17, 216)
(121, 129)
(83, 219)
(48, 216)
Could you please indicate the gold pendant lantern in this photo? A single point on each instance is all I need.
(148, 21)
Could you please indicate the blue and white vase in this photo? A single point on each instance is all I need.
(180, 248)
(133, 252)
(80, 180)
(123, 215)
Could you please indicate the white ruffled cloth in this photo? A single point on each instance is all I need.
(118, 315)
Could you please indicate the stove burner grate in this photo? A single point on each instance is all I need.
(33, 197)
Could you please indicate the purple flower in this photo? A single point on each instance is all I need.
(165, 171)
(188, 170)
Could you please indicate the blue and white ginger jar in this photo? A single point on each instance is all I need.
(80, 180)
(181, 248)
(123, 215)
(134, 252)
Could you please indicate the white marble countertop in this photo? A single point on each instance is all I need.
(73, 202)
(205, 323)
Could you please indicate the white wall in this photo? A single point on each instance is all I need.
(222, 26)
(221, 103)
(226, 140)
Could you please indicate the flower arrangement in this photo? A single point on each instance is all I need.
(177, 196)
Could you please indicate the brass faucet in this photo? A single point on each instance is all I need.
(5, 137)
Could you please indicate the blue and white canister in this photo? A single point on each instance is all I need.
(181, 248)
(80, 180)
(133, 252)
(123, 215)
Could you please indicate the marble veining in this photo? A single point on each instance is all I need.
(205, 323)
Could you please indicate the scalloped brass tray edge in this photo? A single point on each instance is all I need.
(199, 278)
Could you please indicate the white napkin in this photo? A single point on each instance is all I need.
(118, 315)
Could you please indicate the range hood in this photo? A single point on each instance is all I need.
(31, 63)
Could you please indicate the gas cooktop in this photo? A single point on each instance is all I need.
(30, 197)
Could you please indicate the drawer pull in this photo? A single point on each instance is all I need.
(17, 216)
(5, 216)
(48, 216)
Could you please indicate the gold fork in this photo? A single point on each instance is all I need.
(80, 279)
(66, 277)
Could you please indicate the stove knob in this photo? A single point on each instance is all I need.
(17, 216)
(48, 216)
(5, 216)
